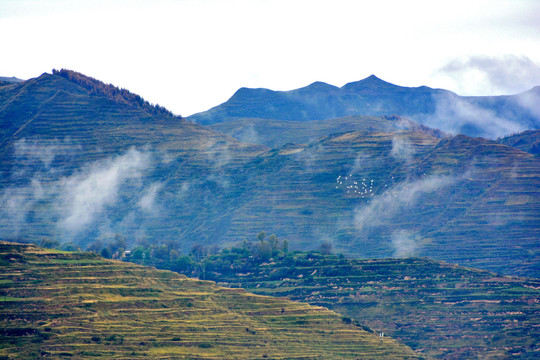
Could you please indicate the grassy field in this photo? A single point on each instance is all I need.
(78, 306)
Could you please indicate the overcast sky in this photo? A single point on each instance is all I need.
(190, 55)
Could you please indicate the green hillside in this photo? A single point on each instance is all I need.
(77, 305)
(84, 162)
(441, 310)
(462, 200)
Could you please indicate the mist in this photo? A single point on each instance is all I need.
(86, 194)
(45, 186)
(382, 208)
(405, 243)
(402, 149)
(458, 116)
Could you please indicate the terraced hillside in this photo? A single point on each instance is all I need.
(82, 162)
(78, 306)
(61, 138)
(462, 200)
(528, 141)
(439, 309)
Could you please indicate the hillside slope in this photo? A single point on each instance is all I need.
(277, 133)
(72, 149)
(528, 141)
(76, 305)
(462, 200)
(489, 116)
(439, 309)
(81, 163)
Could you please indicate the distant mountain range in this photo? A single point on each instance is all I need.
(486, 116)
(82, 161)
(11, 79)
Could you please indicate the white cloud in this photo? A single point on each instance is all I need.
(85, 195)
(397, 200)
(506, 74)
(453, 113)
(148, 199)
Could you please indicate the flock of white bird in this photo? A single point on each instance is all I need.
(362, 187)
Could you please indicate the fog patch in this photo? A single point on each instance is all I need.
(17, 202)
(359, 163)
(30, 151)
(309, 157)
(405, 243)
(402, 149)
(454, 115)
(147, 202)
(530, 101)
(248, 135)
(86, 194)
(398, 199)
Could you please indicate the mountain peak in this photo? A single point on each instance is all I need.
(113, 93)
(371, 82)
(319, 85)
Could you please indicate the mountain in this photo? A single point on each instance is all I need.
(528, 141)
(488, 116)
(73, 148)
(78, 305)
(84, 163)
(441, 310)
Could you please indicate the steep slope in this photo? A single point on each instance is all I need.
(439, 309)
(474, 116)
(55, 107)
(77, 305)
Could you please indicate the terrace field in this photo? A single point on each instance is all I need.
(57, 304)
(440, 310)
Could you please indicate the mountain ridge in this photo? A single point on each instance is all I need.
(373, 96)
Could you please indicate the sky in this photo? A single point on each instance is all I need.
(191, 55)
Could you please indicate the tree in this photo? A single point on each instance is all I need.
(325, 248)
(273, 241)
(106, 253)
(49, 243)
(199, 251)
(285, 246)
